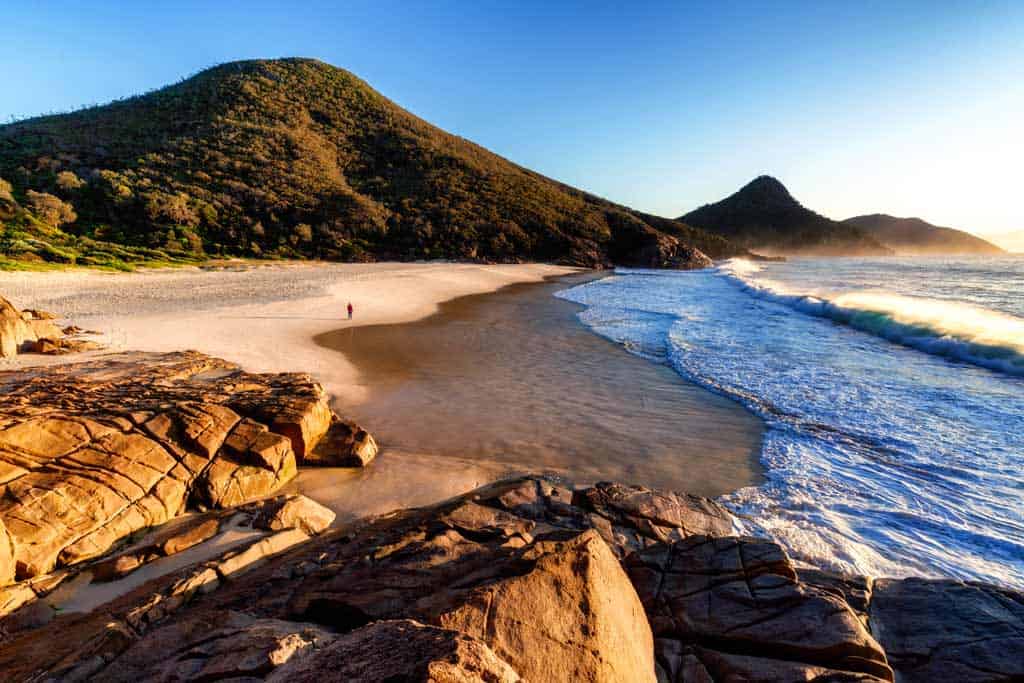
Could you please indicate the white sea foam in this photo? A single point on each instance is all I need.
(939, 326)
(879, 459)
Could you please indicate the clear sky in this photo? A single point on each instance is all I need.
(912, 108)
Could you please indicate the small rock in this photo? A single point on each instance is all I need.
(294, 512)
(259, 551)
(346, 444)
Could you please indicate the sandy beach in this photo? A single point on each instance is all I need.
(406, 368)
(512, 379)
(262, 318)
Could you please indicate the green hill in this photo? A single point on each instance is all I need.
(914, 236)
(295, 158)
(764, 216)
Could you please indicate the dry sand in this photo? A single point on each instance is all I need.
(263, 318)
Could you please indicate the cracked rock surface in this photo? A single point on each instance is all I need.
(93, 452)
(526, 579)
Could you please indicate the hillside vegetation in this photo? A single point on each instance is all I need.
(764, 216)
(295, 158)
(913, 236)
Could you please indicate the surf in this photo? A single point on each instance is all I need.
(956, 330)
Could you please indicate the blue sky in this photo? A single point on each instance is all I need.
(904, 108)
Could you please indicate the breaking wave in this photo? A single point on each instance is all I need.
(941, 327)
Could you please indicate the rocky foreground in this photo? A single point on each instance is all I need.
(525, 579)
(93, 452)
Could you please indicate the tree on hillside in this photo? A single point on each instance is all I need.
(49, 209)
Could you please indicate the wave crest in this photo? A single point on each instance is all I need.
(945, 328)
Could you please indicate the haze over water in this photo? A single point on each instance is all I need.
(892, 390)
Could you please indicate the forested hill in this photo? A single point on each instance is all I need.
(913, 236)
(297, 158)
(764, 216)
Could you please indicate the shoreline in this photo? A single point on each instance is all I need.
(511, 381)
(266, 321)
(262, 318)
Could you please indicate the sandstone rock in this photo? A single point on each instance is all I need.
(93, 452)
(245, 560)
(27, 330)
(346, 444)
(660, 515)
(742, 595)
(601, 635)
(629, 518)
(183, 539)
(512, 578)
(229, 481)
(294, 512)
(7, 562)
(43, 329)
(14, 597)
(229, 646)
(13, 329)
(855, 590)
(51, 346)
(401, 650)
(36, 314)
(555, 607)
(169, 543)
(949, 630)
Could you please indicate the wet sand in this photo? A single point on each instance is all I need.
(511, 381)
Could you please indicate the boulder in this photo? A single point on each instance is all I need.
(400, 650)
(346, 444)
(555, 607)
(29, 330)
(253, 463)
(43, 328)
(165, 543)
(92, 452)
(741, 597)
(13, 329)
(51, 346)
(294, 512)
(573, 616)
(949, 630)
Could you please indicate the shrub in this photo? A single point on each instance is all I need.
(67, 180)
(49, 209)
(167, 208)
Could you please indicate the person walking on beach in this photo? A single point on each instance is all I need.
(350, 309)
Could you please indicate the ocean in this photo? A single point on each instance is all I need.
(892, 390)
